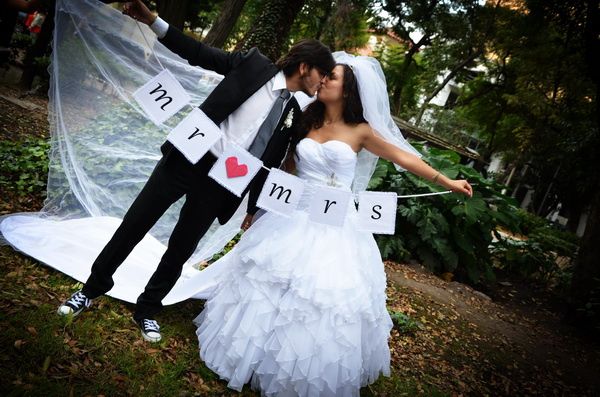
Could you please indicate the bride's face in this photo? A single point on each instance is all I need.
(332, 88)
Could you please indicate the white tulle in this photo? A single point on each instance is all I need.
(301, 308)
(103, 147)
(373, 93)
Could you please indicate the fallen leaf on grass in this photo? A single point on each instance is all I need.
(120, 378)
(46, 364)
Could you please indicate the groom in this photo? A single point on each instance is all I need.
(253, 97)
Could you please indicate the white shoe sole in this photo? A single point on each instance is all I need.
(150, 338)
(147, 338)
(70, 313)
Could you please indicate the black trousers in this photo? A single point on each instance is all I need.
(172, 178)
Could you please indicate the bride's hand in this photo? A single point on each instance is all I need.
(138, 11)
(247, 222)
(461, 186)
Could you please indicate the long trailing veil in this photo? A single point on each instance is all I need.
(103, 147)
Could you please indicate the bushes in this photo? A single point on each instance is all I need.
(24, 166)
(543, 252)
(452, 233)
(448, 233)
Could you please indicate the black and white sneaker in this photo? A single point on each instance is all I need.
(150, 329)
(74, 305)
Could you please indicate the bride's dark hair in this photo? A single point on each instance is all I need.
(314, 114)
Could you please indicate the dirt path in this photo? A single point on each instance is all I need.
(539, 343)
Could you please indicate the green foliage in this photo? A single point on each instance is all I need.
(42, 63)
(405, 323)
(544, 252)
(449, 35)
(451, 125)
(24, 165)
(200, 14)
(448, 233)
(549, 119)
(269, 31)
(451, 233)
(228, 247)
(341, 25)
(21, 40)
(346, 27)
(403, 80)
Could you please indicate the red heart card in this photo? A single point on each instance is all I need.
(234, 169)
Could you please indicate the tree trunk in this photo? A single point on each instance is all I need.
(7, 25)
(173, 11)
(440, 87)
(270, 30)
(585, 285)
(586, 273)
(38, 49)
(322, 24)
(223, 25)
(408, 60)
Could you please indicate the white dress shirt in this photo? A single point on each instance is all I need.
(243, 123)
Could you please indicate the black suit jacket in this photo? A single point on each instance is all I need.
(245, 73)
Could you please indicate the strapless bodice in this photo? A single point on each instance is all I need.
(329, 163)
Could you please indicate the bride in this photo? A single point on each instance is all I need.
(302, 307)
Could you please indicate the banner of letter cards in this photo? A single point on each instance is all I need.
(163, 96)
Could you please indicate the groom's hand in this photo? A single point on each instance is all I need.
(138, 11)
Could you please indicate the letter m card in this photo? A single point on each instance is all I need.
(377, 212)
(281, 193)
(161, 97)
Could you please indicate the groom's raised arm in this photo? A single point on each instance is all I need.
(193, 51)
(200, 54)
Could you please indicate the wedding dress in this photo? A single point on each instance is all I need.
(299, 307)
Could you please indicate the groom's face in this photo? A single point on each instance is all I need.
(311, 79)
(333, 86)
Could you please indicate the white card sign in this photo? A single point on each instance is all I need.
(329, 205)
(281, 193)
(377, 212)
(195, 135)
(234, 169)
(161, 97)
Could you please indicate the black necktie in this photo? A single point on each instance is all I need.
(266, 129)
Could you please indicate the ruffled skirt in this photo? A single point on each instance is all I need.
(301, 310)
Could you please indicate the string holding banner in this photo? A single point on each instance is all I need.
(195, 135)
(148, 44)
(236, 167)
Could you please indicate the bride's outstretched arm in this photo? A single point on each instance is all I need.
(377, 145)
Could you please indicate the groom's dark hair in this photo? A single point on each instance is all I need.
(309, 51)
